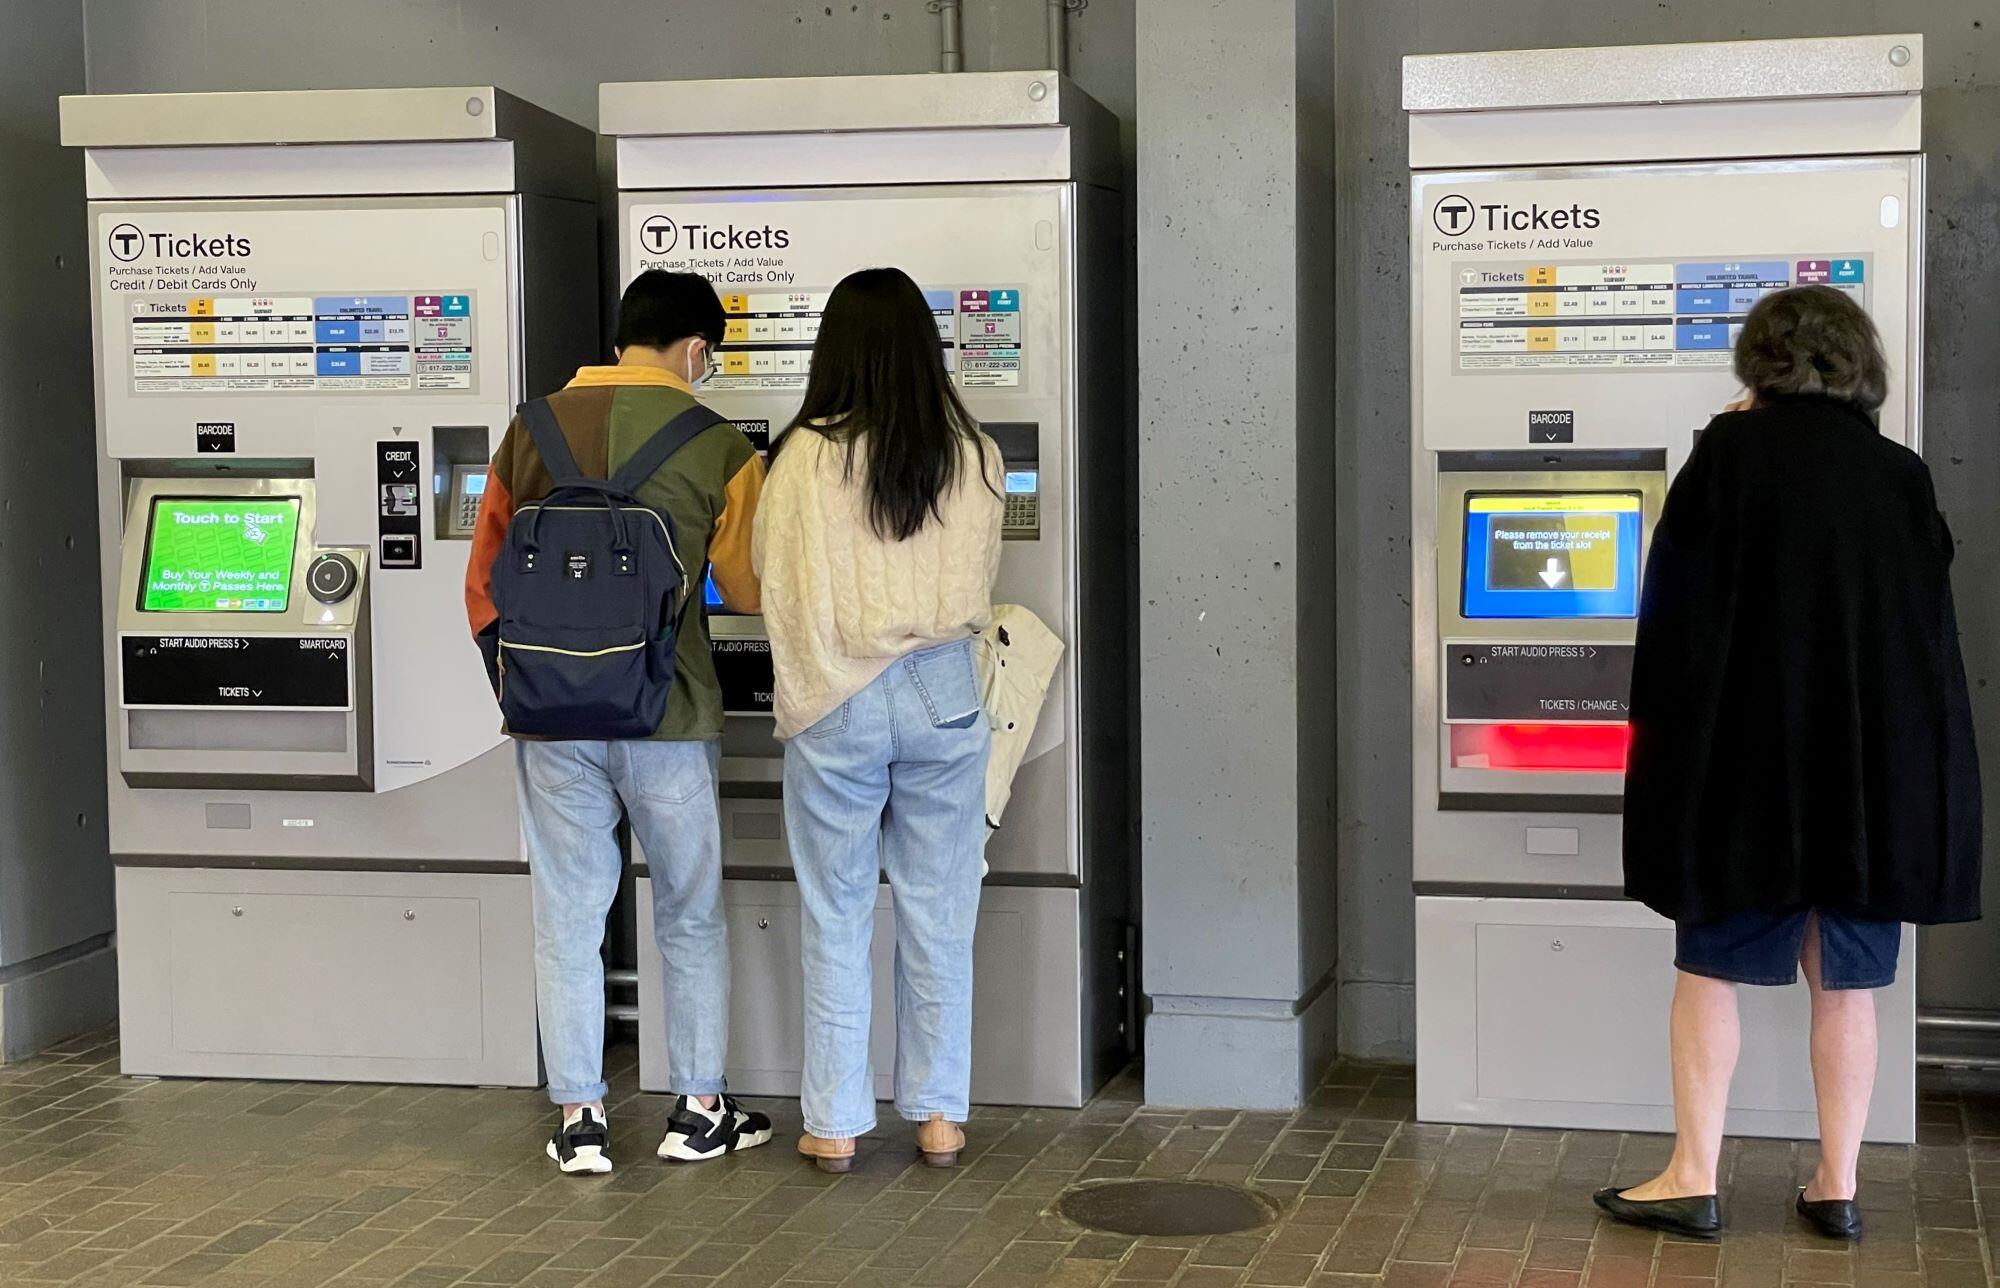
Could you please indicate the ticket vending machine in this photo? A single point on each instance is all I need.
(1588, 228)
(315, 312)
(997, 192)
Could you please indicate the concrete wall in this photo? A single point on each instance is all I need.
(1236, 557)
(56, 974)
(1960, 966)
(555, 54)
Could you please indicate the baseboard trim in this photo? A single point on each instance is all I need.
(54, 998)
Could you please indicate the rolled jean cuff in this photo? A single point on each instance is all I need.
(849, 1133)
(596, 1091)
(697, 1086)
(918, 1115)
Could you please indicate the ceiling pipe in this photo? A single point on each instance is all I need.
(951, 34)
(1058, 35)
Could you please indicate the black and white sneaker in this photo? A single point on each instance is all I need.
(694, 1133)
(579, 1145)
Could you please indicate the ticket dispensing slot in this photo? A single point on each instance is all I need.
(243, 660)
(1540, 558)
(1020, 446)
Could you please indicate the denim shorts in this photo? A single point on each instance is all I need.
(1763, 948)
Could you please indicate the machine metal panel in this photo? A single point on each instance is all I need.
(229, 957)
(430, 717)
(1553, 1013)
(1650, 220)
(963, 244)
(269, 315)
(1572, 328)
(1735, 71)
(1607, 399)
(1024, 964)
(998, 197)
(1028, 155)
(319, 170)
(1802, 127)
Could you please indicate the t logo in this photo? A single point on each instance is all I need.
(658, 234)
(1452, 215)
(126, 243)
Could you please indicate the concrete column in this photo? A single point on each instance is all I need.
(1235, 149)
(58, 976)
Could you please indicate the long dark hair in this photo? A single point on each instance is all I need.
(878, 372)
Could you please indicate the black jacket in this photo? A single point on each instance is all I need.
(1801, 735)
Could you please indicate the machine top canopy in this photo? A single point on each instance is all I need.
(443, 114)
(844, 104)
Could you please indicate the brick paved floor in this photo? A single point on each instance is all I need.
(110, 1181)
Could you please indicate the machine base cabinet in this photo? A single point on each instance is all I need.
(1553, 1013)
(327, 976)
(1024, 976)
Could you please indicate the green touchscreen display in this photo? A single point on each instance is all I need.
(222, 555)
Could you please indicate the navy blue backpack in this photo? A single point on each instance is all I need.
(590, 591)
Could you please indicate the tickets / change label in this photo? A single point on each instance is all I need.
(1547, 683)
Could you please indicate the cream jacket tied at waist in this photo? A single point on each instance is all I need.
(1017, 655)
(840, 602)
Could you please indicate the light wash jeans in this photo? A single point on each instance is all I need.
(894, 781)
(570, 797)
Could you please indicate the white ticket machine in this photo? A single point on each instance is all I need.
(998, 193)
(314, 313)
(1588, 228)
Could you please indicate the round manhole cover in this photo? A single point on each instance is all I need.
(1167, 1207)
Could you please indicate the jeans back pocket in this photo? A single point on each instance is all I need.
(947, 682)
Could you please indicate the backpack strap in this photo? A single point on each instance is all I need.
(549, 441)
(666, 440)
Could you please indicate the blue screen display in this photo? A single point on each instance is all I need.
(1551, 555)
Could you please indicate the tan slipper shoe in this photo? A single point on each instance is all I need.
(831, 1153)
(939, 1141)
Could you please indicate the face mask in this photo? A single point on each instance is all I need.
(697, 369)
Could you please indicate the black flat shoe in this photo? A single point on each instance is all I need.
(1834, 1218)
(1698, 1217)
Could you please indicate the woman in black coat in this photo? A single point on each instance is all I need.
(1802, 777)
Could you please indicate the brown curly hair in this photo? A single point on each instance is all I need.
(1812, 340)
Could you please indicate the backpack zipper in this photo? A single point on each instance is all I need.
(570, 652)
(665, 530)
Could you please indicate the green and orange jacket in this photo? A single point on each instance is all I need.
(709, 489)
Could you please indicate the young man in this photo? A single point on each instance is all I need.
(572, 792)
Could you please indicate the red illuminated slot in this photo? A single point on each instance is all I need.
(1545, 748)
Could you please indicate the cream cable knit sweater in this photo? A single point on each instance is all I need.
(841, 604)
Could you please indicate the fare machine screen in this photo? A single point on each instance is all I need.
(1536, 608)
(1551, 555)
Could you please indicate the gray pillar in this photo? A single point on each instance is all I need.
(1235, 148)
(57, 974)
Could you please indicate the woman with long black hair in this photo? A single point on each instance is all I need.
(877, 540)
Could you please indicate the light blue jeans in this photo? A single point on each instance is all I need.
(571, 793)
(894, 781)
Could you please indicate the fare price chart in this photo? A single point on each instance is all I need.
(302, 343)
(1662, 315)
(768, 337)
